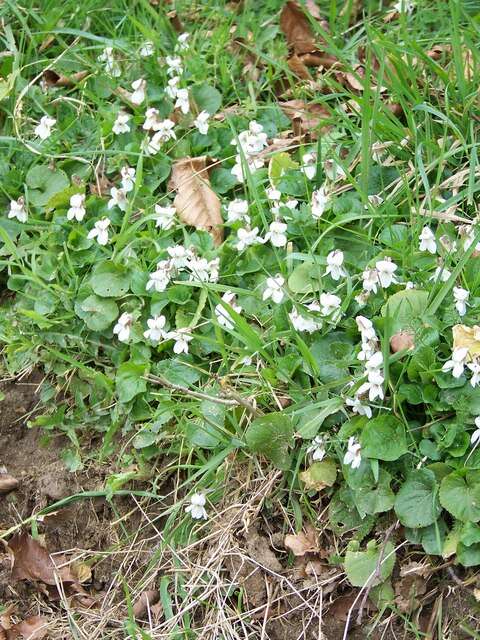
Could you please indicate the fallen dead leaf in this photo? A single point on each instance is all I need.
(33, 628)
(196, 202)
(464, 336)
(32, 562)
(306, 117)
(7, 483)
(302, 543)
(297, 28)
(81, 571)
(54, 79)
(407, 591)
(175, 21)
(402, 340)
(145, 602)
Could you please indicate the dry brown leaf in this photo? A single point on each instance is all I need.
(175, 21)
(145, 602)
(54, 79)
(306, 117)
(464, 336)
(7, 483)
(402, 340)
(33, 628)
(33, 562)
(196, 202)
(302, 543)
(407, 590)
(297, 29)
(297, 67)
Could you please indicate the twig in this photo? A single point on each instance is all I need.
(230, 400)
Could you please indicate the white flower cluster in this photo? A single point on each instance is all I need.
(182, 259)
(249, 144)
(373, 359)
(328, 307)
(382, 275)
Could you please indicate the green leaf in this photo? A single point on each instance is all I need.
(177, 371)
(129, 380)
(405, 308)
(416, 504)
(271, 436)
(344, 517)
(460, 495)
(383, 438)
(279, 164)
(319, 475)
(207, 98)
(470, 534)
(374, 565)
(377, 499)
(306, 278)
(43, 183)
(468, 556)
(110, 280)
(98, 313)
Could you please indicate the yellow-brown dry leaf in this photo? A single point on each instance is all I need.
(302, 543)
(196, 202)
(81, 571)
(464, 336)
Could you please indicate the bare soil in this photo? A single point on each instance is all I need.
(90, 529)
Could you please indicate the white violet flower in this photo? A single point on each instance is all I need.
(460, 296)
(121, 123)
(196, 508)
(237, 210)
(139, 87)
(223, 316)
(274, 289)
(334, 265)
(155, 331)
(317, 448)
(77, 207)
(118, 199)
(353, 455)
(457, 364)
(181, 337)
(123, 327)
(147, 49)
(201, 122)
(386, 270)
(165, 217)
(128, 178)
(100, 232)
(247, 238)
(44, 128)
(319, 203)
(427, 240)
(277, 233)
(18, 210)
(183, 101)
